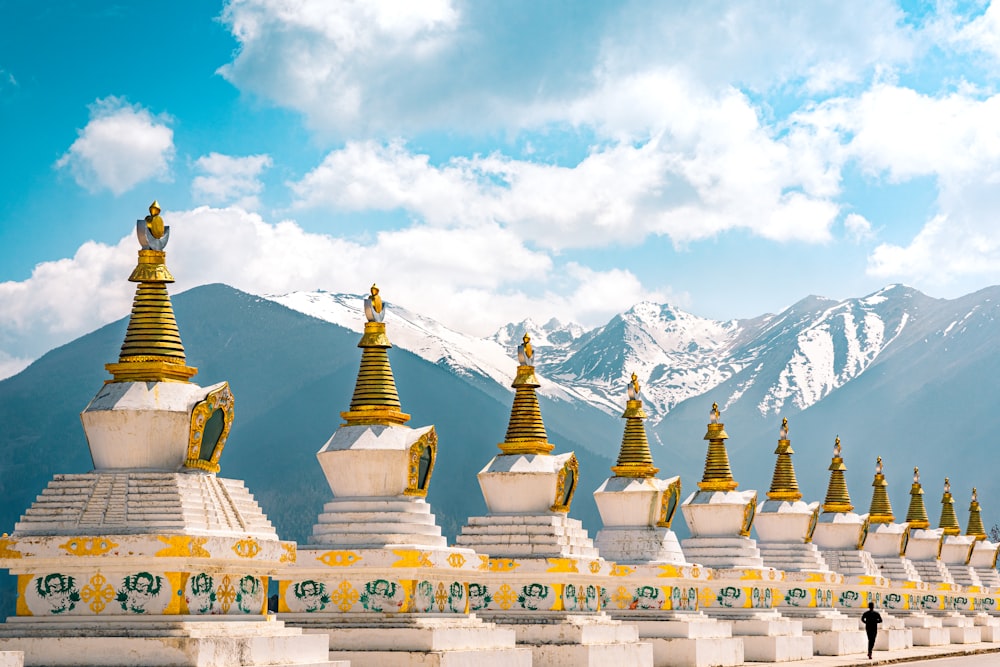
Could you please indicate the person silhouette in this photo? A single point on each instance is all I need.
(871, 619)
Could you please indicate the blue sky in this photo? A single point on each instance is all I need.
(487, 162)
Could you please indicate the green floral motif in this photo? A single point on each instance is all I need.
(583, 598)
(797, 597)
(202, 596)
(605, 598)
(425, 596)
(456, 597)
(848, 599)
(531, 595)
(250, 595)
(646, 597)
(137, 591)
(683, 598)
(312, 594)
(760, 599)
(729, 597)
(59, 591)
(479, 597)
(382, 595)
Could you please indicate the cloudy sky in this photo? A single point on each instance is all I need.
(485, 162)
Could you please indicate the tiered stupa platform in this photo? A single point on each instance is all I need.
(785, 526)
(742, 589)
(655, 588)
(151, 559)
(377, 577)
(544, 579)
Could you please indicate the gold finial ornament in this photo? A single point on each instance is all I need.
(375, 400)
(948, 521)
(525, 430)
(881, 509)
(784, 486)
(152, 350)
(837, 498)
(634, 457)
(976, 528)
(717, 475)
(916, 515)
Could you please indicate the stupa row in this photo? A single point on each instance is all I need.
(152, 559)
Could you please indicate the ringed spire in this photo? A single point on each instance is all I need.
(837, 498)
(784, 486)
(717, 476)
(975, 527)
(525, 430)
(916, 515)
(375, 400)
(881, 508)
(152, 350)
(634, 457)
(948, 521)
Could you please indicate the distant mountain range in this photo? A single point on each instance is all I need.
(895, 373)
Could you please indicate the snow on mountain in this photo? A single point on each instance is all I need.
(777, 363)
(462, 354)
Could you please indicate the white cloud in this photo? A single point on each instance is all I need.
(323, 58)
(230, 180)
(11, 365)
(122, 146)
(471, 279)
(858, 228)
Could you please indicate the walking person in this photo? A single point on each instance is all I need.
(871, 619)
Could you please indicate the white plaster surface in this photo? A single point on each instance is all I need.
(374, 523)
(716, 513)
(924, 544)
(639, 545)
(11, 658)
(527, 536)
(369, 461)
(885, 539)
(521, 483)
(783, 520)
(141, 425)
(838, 530)
(128, 502)
(723, 552)
(631, 502)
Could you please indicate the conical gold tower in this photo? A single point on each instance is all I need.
(634, 458)
(949, 522)
(916, 515)
(881, 509)
(717, 475)
(525, 430)
(152, 351)
(784, 486)
(837, 498)
(375, 400)
(976, 527)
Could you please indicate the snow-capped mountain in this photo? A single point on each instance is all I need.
(778, 364)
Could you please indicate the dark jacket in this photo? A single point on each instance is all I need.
(871, 619)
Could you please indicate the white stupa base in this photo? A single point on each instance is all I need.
(767, 635)
(933, 571)
(426, 641)
(989, 627)
(927, 630)
(962, 629)
(552, 535)
(851, 562)
(893, 639)
(727, 553)
(897, 568)
(989, 577)
(839, 531)
(187, 641)
(11, 658)
(569, 640)
(833, 633)
(640, 545)
(792, 557)
(964, 575)
(352, 523)
(686, 639)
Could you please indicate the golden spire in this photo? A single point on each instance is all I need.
(916, 515)
(375, 400)
(975, 528)
(837, 497)
(784, 486)
(525, 430)
(634, 459)
(948, 519)
(152, 351)
(717, 475)
(881, 509)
